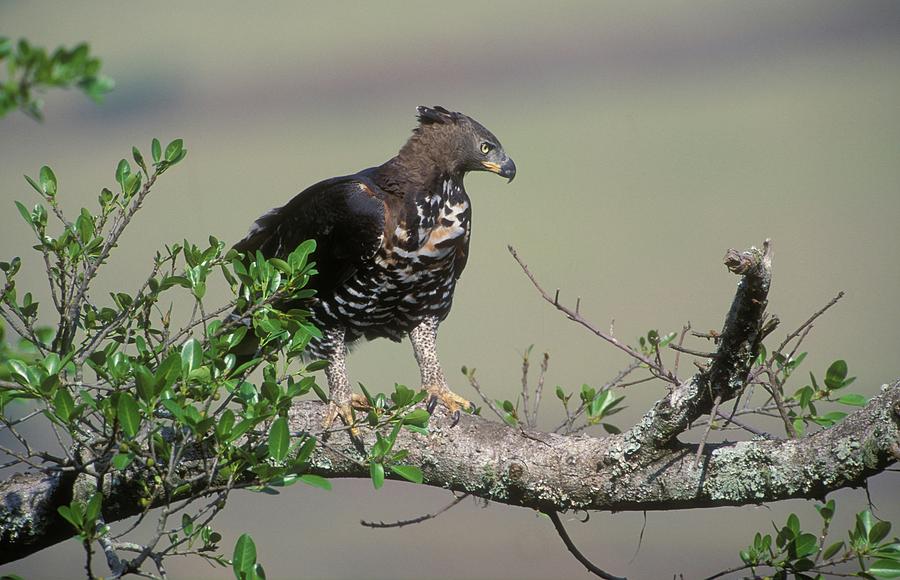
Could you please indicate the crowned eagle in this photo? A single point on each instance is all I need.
(391, 242)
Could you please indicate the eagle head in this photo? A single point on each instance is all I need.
(458, 144)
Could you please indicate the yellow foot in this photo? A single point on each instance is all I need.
(345, 411)
(446, 397)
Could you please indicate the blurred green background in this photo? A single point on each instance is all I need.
(649, 137)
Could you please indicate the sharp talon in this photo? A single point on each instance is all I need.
(455, 418)
(472, 408)
(432, 403)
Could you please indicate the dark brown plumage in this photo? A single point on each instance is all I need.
(391, 242)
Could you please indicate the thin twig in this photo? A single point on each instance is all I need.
(474, 382)
(564, 535)
(417, 520)
(728, 571)
(774, 388)
(685, 350)
(571, 417)
(811, 319)
(545, 362)
(684, 331)
(715, 410)
(525, 364)
(576, 317)
(746, 427)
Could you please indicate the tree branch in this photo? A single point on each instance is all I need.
(645, 468)
(547, 472)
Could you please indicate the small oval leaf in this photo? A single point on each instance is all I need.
(129, 415)
(244, 559)
(408, 472)
(191, 356)
(279, 439)
(48, 181)
(376, 470)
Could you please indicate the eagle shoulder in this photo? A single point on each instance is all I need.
(345, 215)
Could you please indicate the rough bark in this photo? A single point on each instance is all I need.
(644, 468)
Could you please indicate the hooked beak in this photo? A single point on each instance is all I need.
(506, 169)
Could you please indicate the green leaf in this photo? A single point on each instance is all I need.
(63, 404)
(156, 150)
(306, 449)
(279, 439)
(793, 523)
(376, 470)
(864, 523)
(191, 356)
(92, 511)
(226, 422)
(320, 393)
(835, 416)
(316, 481)
(835, 375)
(20, 371)
(826, 510)
(418, 417)
(879, 532)
(853, 399)
(33, 184)
(121, 461)
(408, 472)
(805, 545)
(173, 150)
(48, 181)
(833, 549)
(139, 159)
(132, 183)
(123, 170)
(145, 382)
(26, 215)
(244, 559)
(317, 365)
(129, 416)
(885, 569)
(187, 524)
(73, 513)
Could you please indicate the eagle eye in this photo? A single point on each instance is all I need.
(486, 148)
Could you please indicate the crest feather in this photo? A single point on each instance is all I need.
(436, 114)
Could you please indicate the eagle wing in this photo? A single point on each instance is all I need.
(345, 215)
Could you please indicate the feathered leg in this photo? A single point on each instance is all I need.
(339, 390)
(424, 339)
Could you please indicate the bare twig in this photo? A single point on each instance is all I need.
(545, 363)
(774, 387)
(417, 520)
(811, 319)
(564, 535)
(685, 350)
(525, 364)
(576, 317)
(684, 331)
(470, 374)
(715, 410)
(728, 571)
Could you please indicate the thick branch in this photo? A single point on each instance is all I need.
(543, 471)
(646, 468)
(738, 347)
